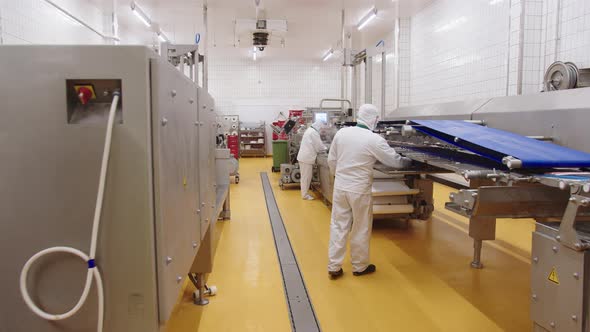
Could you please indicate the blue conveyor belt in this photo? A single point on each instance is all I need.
(497, 144)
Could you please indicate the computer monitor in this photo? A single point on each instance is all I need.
(321, 117)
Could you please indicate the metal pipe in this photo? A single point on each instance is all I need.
(354, 87)
(343, 72)
(508, 57)
(86, 25)
(191, 66)
(368, 80)
(521, 51)
(477, 122)
(337, 100)
(557, 30)
(205, 51)
(383, 70)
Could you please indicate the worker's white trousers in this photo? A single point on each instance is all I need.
(306, 176)
(351, 212)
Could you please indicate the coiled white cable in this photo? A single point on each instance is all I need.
(93, 272)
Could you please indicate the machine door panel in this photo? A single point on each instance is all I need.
(175, 180)
(206, 151)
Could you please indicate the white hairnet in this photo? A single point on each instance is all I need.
(368, 115)
(318, 125)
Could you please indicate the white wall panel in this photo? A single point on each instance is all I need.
(261, 90)
(37, 22)
(575, 32)
(459, 50)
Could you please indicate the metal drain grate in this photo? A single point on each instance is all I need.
(303, 317)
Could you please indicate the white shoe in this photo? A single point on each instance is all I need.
(308, 197)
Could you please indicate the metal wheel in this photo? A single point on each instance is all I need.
(561, 76)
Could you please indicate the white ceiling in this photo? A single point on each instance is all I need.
(313, 25)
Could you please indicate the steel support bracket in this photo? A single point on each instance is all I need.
(568, 236)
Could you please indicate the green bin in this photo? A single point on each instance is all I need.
(280, 154)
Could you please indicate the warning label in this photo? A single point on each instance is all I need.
(553, 276)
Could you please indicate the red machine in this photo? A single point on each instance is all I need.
(285, 126)
(233, 144)
(297, 114)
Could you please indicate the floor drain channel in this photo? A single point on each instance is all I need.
(303, 317)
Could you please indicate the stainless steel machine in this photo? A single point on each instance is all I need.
(553, 191)
(160, 193)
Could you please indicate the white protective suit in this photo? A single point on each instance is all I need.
(311, 145)
(353, 154)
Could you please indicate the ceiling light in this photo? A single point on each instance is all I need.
(141, 15)
(254, 53)
(328, 55)
(367, 18)
(495, 2)
(162, 37)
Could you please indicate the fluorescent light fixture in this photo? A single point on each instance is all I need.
(141, 15)
(162, 37)
(451, 25)
(495, 2)
(328, 55)
(367, 18)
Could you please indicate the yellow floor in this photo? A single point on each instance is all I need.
(423, 282)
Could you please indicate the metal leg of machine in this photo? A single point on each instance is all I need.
(476, 262)
(198, 279)
(480, 229)
(226, 212)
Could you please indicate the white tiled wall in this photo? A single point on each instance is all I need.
(532, 66)
(459, 50)
(261, 90)
(515, 48)
(37, 22)
(404, 61)
(574, 30)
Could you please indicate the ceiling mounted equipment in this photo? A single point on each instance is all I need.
(260, 40)
(261, 24)
(263, 32)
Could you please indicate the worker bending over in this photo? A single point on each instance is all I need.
(311, 145)
(352, 156)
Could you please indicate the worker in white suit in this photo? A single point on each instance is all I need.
(352, 156)
(311, 145)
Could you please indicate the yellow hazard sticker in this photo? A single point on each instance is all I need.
(553, 276)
